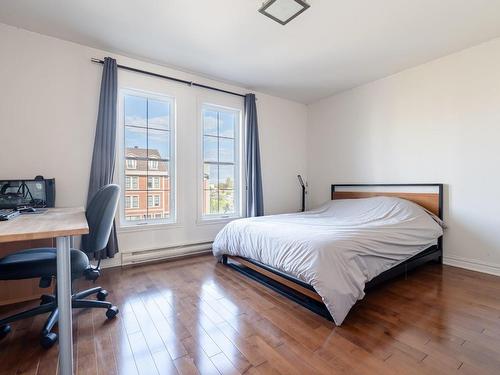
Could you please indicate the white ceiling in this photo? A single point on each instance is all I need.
(333, 46)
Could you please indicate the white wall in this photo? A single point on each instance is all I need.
(48, 108)
(438, 122)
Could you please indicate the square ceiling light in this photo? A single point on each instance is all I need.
(283, 11)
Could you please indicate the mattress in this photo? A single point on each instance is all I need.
(336, 248)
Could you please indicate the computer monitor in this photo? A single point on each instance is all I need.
(38, 192)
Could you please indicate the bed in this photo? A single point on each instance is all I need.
(325, 259)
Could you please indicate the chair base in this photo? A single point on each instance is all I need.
(49, 304)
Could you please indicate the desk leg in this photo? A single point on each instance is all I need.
(64, 303)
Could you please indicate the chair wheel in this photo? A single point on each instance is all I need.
(48, 340)
(112, 312)
(102, 295)
(4, 331)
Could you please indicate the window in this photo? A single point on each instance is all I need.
(153, 164)
(132, 182)
(154, 183)
(147, 121)
(154, 200)
(132, 201)
(220, 145)
(131, 163)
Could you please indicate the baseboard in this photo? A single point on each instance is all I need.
(179, 251)
(176, 251)
(170, 258)
(112, 262)
(473, 265)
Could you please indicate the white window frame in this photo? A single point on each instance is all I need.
(131, 164)
(239, 205)
(155, 182)
(144, 221)
(134, 183)
(155, 200)
(153, 164)
(131, 201)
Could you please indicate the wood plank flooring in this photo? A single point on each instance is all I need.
(195, 316)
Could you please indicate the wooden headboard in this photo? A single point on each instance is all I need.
(429, 196)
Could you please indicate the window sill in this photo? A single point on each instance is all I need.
(148, 227)
(218, 220)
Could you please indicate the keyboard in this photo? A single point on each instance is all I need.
(7, 214)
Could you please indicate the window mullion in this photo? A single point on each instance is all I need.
(218, 164)
(147, 158)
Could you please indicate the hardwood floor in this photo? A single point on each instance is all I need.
(196, 316)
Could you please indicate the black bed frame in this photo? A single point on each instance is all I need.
(431, 254)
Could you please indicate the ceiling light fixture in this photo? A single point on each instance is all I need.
(283, 11)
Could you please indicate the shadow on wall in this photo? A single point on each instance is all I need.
(472, 240)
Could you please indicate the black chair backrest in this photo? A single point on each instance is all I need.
(100, 214)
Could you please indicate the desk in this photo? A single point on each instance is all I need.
(59, 223)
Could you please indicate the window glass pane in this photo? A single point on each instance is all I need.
(165, 204)
(162, 170)
(210, 176)
(159, 144)
(154, 200)
(154, 183)
(132, 182)
(158, 114)
(135, 205)
(210, 202)
(135, 142)
(226, 177)
(226, 201)
(226, 124)
(153, 164)
(209, 122)
(226, 150)
(164, 175)
(135, 110)
(209, 148)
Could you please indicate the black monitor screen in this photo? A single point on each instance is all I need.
(35, 193)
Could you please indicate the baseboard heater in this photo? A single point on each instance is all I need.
(170, 252)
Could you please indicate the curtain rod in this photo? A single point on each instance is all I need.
(189, 83)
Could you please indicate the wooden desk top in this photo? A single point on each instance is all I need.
(56, 222)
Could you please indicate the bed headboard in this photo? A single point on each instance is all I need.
(429, 196)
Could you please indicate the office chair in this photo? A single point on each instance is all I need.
(41, 263)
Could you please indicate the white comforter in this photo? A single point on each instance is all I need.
(336, 248)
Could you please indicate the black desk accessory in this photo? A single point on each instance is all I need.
(301, 181)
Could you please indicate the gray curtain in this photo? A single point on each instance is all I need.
(254, 197)
(103, 157)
